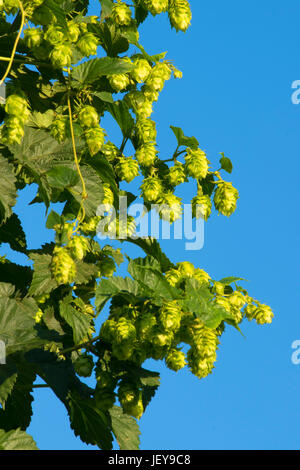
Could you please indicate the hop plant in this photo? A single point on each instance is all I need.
(87, 44)
(146, 154)
(110, 151)
(33, 37)
(124, 331)
(73, 31)
(150, 94)
(174, 277)
(13, 131)
(141, 70)
(145, 325)
(186, 269)
(201, 276)
(84, 365)
(91, 226)
(170, 316)
(196, 163)
(121, 14)
(201, 207)
(17, 105)
(170, 207)
(88, 117)
(180, 14)
(58, 128)
(95, 139)
(140, 105)
(119, 81)
(127, 168)
(130, 398)
(159, 74)
(156, 6)
(104, 399)
(175, 360)
(107, 267)
(119, 228)
(63, 267)
(151, 189)
(176, 174)
(108, 196)
(261, 313)
(225, 198)
(78, 247)
(146, 130)
(61, 55)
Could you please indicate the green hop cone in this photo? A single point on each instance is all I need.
(121, 14)
(151, 189)
(146, 154)
(73, 31)
(61, 55)
(146, 130)
(84, 365)
(125, 331)
(105, 380)
(150, 94)
(175, 360)
(87, 44)
(59, 127)
(145, 325)
(200, 366)
(180, 14)
(110, 151)
(17, 105)
(170, 316)
(139, 103)
(108, 195)
(174, 277)
(261, 313)
(201, 207)
(141, 70)
(78, 247)
(176, 174)
(156, 6)
(12, 136)
(196, 163)
(225, 198)
(169, 207)
(88, 117)
(54, 35)
(186, 269)
(130, 398)
(108, 330)
(91, 226)
(104, 399)
(127, 168)
(159, 74)
(95, 139)
(33, 37)
(63, 267)
(201, 276)
(218, 288)
(118, 81)
(43, 15)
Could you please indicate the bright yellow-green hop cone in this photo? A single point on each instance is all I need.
(108, 195)
(262, 313)
(218, 288)
(180, 14)
(87, 44)
(17, 105)
(119, 81)
(121, 14)
(78, 246)
(200, 367)
(140, 105)
(141, 70)
(174, 277)
(110, 151)
(186, 269)
(156, 6)
(88, 117)
(33, 37)
(127, 169)
(175, 360)
(58, 128)
(177, 174)
(61, 55)
(145, 325)
(130, 398)
(63, 267)
(73, 31)
(146, 130)
(91, 226)
(38, 316)
(170, 316)
(159, 74)
(225, 198)
(201, 276)
(125, 331)
(54, 35)
(201, 207)
(95, 139)
(196, 163)
(146, 154)
(169, 207)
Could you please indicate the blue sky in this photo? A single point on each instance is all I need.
(238, 61)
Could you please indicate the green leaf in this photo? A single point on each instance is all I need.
(16, 440)
(90, 71)
(42, 281)
(94, 191)
(120, 112)
(12, 232)
(226, 163)
(89, 422)
(106, 7)
(104, 171)
(6, 289)
(108, 288)
(62, 177)
(199, 301)
(8, 377)
(103, 96)
(229, 280)
(8, 191)
(152, 248)
(125, 428)
(53, 219)
(182, 140)
(85, 272)
(78, 321)
(41, 120)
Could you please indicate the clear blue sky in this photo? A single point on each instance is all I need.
(239, 61)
